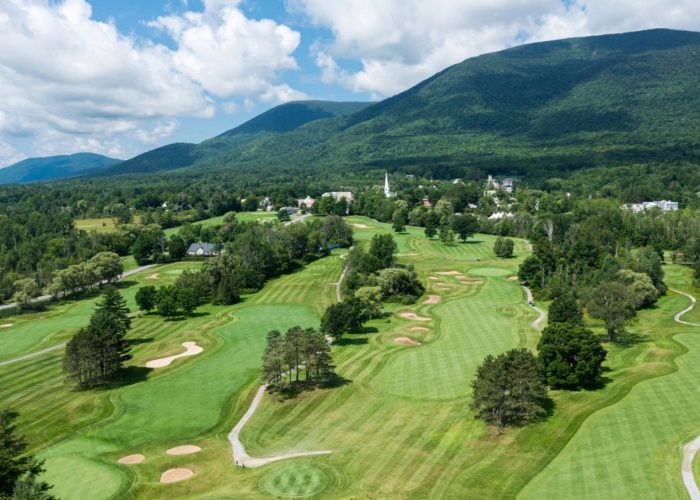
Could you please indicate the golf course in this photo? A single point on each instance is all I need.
(396, 424)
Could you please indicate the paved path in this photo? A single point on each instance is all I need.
(241, 458)
(44, 298)
(537, 324)
(338, 295)
(690, 449)
(58, 346)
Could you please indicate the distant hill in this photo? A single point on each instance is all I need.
(539, 109)
(54, 167)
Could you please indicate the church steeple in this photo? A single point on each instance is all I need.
(387, 191)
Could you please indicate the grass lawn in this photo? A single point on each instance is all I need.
(100, 224)
(217, 221)
(398, 424)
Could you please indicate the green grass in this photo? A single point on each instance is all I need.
(398, 423)
(101, 224)
(219, 220)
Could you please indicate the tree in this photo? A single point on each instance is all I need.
(146, 298)
(464, 225)
(398, 220)
(113, 303)
(177, 248)
(398, 284)
(282, 215)
(509, 389)
(446, 235)
(432, 222)
(570, 356)
(187, 300)
(343, 317)
(503, 247)
(640, 286)
(167, 301)
(381, 254)
(25, 290)
(18, 469)
(371, 299)
(613, 303)
(565, 309)
(107, 266)
(647, 260)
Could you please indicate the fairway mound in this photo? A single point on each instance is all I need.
(175, 475)
(406, 341)
(413, 316)
(136, 458)
(6, 325)
(432, 299)
(361, 226)
(154, 276)
(186, 449)
(191, 349)
(419, 329)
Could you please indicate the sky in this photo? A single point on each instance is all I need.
(120, 77)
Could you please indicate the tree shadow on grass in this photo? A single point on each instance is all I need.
(292, 390)
(352, 341)
(140, 341)
(629, 339)
(129, 376)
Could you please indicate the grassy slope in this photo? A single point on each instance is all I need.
(217, 221)
(386, 440)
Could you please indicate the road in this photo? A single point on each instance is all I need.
(241, 458)
(48, 297)
(44, 298)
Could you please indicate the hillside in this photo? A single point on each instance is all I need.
(54, 167)
(541, 109)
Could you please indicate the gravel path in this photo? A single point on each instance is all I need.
(241, 458)
(690, 449)
(537, 324)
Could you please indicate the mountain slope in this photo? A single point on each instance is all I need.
(543, 108)
(54, 167)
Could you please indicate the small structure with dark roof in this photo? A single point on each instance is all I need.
(202, 250)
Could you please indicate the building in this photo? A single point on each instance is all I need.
(663, 205)
(338, 195)
(202, 250)
(387, 191)
(492, 185)
(308, 202)
(500, 216)
(426, 202)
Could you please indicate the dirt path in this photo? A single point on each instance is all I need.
(338, 295)
(690, 449)
(537, 324)
(241, 458)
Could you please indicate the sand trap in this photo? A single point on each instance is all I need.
(192, 349)
(434, 278)
(6, 325)
(136, 458)
(361, 226)
(406, 341)
(175, 475)
(442, 289)
(186, 449)
(512, 278)
(432, 299)
(153, 277)
(420, 329)
(413, 316)
(449, 273)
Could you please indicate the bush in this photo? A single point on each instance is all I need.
(398, 284)
(503, 247)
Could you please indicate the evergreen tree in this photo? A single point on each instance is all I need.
(114, 304)
(565, 309)
(509, 390)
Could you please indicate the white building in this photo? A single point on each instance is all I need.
(500, 216)
(663, 205)
(338, 195)
(387, 191)
(308, 202)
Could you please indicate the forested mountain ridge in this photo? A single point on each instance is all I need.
(545, 107)
(54, 167)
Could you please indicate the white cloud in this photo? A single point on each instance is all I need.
(228, 53)
(277, 94)
(400, 42)
(74, 83)
(8, 154)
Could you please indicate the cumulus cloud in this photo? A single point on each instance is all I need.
(8, 154)
(400, 42)
(72, 82)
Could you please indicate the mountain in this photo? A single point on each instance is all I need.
(539, 109)
(54, 167)
(280, 119)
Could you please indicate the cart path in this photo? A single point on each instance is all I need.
(241, 458)
(693, 301)
(541, 315)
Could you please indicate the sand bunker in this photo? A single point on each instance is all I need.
(362, 226)
(449, 273)
(175, 475)
(434, 278)
(153, 277)
(186, 449)
(413, 316)
(419, 329)
(192, 349)
(136, 458)
(442, 289)
(406, 341)
(512, 278)
(432, 299)
(6, 325)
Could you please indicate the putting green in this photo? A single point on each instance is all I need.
(490, 271)
(296, 480)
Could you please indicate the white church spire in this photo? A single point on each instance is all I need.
(387, 191)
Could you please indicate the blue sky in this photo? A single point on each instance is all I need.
(120, 77)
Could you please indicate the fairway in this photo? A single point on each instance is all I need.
(401, 408)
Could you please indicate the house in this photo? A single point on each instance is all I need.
(202, 250)
(500, 215)
(426, 202)
(308, 202)
(663, 205)
(338, 195)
